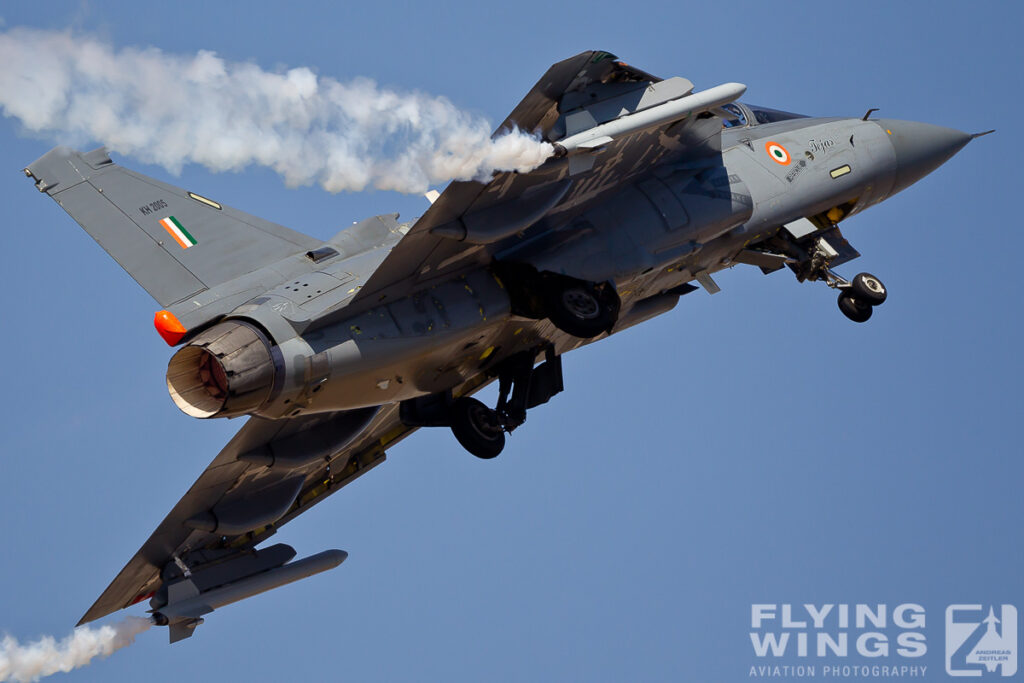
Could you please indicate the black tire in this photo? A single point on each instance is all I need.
(854, 309)
(868, 289)
(582, 309)
(476, 428)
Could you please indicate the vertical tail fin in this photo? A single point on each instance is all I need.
(172, 242)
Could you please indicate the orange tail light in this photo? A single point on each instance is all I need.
(169, 327)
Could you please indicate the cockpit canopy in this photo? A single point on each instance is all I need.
(752, 115)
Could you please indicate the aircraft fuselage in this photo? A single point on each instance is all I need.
(675, 223)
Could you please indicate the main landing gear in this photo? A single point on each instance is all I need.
(478, 428)
(582, 309)
(578, 307)
(481, 430)
(857, 297)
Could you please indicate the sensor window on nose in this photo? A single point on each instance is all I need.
(840, 172)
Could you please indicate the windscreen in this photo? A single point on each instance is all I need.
(766, 115)
(739, 120)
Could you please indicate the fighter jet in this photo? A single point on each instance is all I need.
(338, 350)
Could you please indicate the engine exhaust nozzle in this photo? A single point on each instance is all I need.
(225, 371)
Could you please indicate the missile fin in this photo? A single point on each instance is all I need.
(579, 121)
(581, 163)
(182, 590)
(181, 630)
(183, 615)
(595, 143)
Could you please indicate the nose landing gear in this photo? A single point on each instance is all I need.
(868, 288)
(853, 308)
(857, 297)
(811, 256)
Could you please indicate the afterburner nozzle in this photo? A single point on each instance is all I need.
(226, 371)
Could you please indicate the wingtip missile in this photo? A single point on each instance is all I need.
(187, 605)
(587, 141)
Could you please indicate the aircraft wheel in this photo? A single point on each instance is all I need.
(868, 289)
(477, 428)
(853, 308)
(582, 309)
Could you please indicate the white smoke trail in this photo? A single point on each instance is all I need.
(172, 109)
(47, 656)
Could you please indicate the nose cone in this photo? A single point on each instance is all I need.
(920, 148)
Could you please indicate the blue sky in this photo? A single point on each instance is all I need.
(751, 447)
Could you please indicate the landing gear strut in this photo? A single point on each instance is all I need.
(857, 297)
(481, 430)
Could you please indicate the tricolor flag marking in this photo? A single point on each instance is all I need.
(178, 232)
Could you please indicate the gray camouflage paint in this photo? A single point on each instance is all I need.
(386, 311)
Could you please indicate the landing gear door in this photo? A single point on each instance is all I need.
(835, 241)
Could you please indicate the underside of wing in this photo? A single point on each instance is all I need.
(268, 474)
(271, 471)
(648, 120)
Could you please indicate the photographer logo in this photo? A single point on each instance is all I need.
(981, 640)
